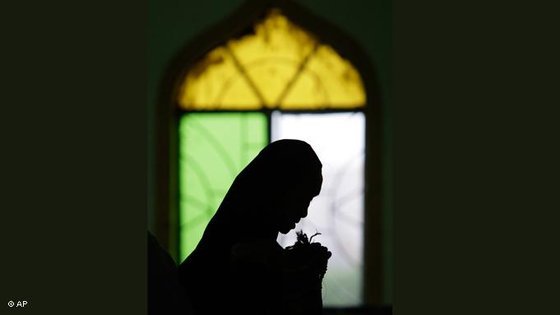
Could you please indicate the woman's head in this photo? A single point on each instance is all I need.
(275, 189)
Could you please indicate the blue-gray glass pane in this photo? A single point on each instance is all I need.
(337, 213)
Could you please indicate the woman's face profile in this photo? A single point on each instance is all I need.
(279, 184)
(293, 206)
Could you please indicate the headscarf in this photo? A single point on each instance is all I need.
(248, 214)
(247, 209)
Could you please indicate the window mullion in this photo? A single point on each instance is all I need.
(245, 75)
(296, 75)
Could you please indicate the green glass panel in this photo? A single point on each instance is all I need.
(213, 149)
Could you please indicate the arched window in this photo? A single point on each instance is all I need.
(276, 78)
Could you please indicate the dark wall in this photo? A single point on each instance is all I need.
(173, 23)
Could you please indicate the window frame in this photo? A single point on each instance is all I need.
(168, 113)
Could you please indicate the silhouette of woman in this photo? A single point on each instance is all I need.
(238, 267)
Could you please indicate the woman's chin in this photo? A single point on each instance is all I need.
(287, 228)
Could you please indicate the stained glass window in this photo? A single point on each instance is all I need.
(278, 65)
(247, 92)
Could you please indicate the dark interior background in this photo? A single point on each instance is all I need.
(475, 149)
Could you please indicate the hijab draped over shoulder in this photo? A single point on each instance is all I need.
(252, 210)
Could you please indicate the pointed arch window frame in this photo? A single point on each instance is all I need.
(168, 112)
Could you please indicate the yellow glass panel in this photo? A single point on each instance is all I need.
(328, 81)
(278, 65)
(273, 55)
(215, 83)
